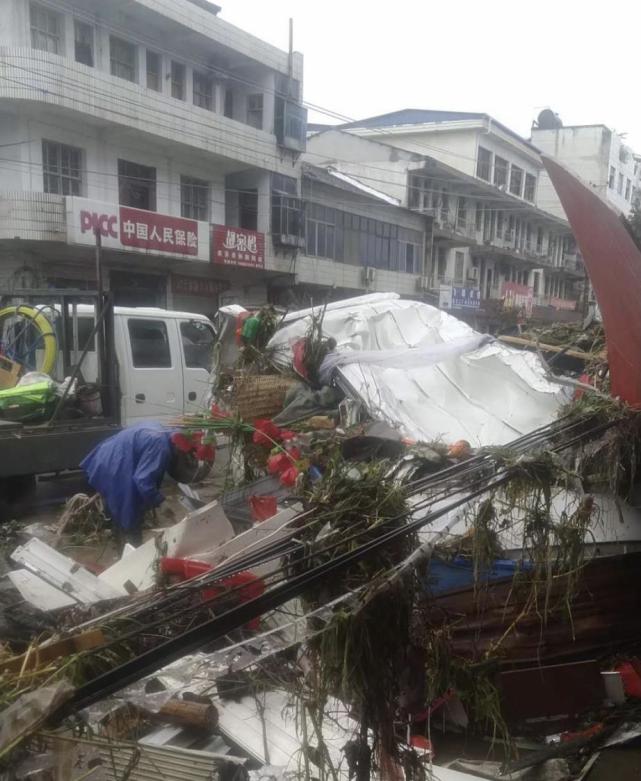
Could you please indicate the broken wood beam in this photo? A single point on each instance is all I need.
(519, 341)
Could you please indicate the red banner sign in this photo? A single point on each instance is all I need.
(516, 296)
(238, 247)
(197, 286)
(150, 230)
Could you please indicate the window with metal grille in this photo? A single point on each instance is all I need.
(194, 198)
(484, 164)
(46, 29)
(154, 71)
(122, 55)
(255, 111)
(203, 91)
(177, 80)
(83, 43)
(137, 185)
(62, 168)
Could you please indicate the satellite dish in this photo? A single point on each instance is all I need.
(548, 120)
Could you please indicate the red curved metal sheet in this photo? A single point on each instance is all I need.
(613, 263)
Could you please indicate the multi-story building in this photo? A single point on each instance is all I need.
(597, 155)
(179, 137)
(479, 181)
(173, 133)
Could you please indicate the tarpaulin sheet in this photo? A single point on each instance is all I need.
(613, 262)
(488, 395)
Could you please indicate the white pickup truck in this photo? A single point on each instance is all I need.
(164, 360)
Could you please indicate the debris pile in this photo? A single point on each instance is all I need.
(422, 535)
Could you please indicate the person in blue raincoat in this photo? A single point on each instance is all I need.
(127, 470)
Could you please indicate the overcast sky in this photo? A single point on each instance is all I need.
(507, 58)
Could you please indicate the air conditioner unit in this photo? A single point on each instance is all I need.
(473, 273)
(369, 274)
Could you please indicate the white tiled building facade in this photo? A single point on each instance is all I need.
(175, 133)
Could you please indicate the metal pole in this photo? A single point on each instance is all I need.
(98, 314)
(290, 62)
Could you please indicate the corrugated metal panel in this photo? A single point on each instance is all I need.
(137, 762)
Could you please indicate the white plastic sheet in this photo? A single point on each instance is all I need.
(489, 395)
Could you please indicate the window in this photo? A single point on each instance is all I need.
(628, 189)
(539, 240)
(530, 188)
(459, 263)
(516, 180)
(479, 216)
(198, 344)
(203, 91)
(83, 42)
(149, 344)
(620, 185)
(228, 109)
(255, 111)
(461, 214)
(154, 75)
(122, 55)
(442, 263)
(411, 258)
(612, 177)
(177, 80)
(320, 233)
(420, 193)
(500, 171)
(484, 164)
(288, 219)
(62, 169)
(194, 198)
(137, 185)
(445, 207)
(499, 225)
(46, 29)
(248, 209)
(290, 124)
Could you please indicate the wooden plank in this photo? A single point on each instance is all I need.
(43, 654)
(530, 344)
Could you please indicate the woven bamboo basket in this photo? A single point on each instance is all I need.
(260, 395)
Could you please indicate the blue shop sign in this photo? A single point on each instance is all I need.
(466, 297)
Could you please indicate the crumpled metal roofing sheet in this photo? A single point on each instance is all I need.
(489, 396)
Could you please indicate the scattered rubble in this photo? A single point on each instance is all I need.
(422, 536)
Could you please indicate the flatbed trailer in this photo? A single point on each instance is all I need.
(58, 444)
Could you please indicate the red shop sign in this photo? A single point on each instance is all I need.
(238, 247)
(153, 231)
